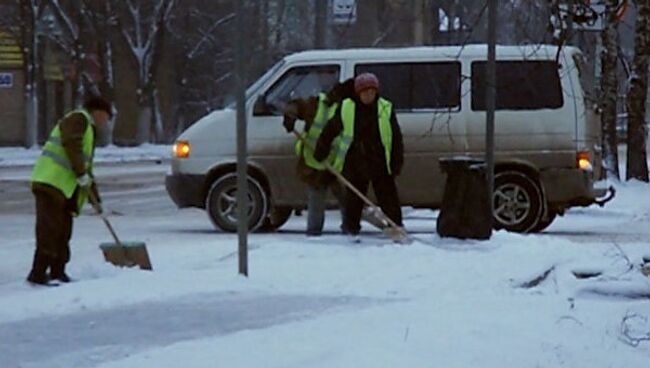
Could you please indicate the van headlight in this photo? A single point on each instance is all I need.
(583, 162)
(181, 149)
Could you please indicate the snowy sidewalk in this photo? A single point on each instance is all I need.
(87, 339)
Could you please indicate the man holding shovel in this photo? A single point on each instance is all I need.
(61, 181)
(369, 150)
(316, 111)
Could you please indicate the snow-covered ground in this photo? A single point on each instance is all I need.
(328, 303)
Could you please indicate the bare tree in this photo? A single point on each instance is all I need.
(637, 166)
(28, 18)
(142, 24)
(609, 90)
(99, 17)
(69, 40)
(200, 37)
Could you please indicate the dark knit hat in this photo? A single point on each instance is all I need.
(98, 103)
(364, 81)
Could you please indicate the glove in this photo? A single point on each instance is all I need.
(289, 123)
(84, 181)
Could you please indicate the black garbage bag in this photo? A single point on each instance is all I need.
(465, 211)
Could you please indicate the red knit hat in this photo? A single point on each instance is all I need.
(365, 81)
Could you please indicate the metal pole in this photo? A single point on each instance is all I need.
(319, 25)
(31, 127)
(242, 182)
(418, 22)
(490, 97)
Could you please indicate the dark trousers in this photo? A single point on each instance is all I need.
(386, 193)
(316, 198)
(53, 232)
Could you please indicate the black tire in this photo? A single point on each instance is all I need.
(518, 202)
(277, 217)
(221, 203)
(545, 221)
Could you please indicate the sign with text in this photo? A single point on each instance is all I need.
(6, 80)
(344, 11)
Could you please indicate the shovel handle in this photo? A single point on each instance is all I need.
(94, 203)
(347, 183)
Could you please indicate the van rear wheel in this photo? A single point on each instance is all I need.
(518, 203)
(221, 203)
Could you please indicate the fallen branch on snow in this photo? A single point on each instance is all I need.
(537, 280)
(629, 329)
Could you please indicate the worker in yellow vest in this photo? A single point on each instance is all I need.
(369, 150)
(316, 111)
(61, 180)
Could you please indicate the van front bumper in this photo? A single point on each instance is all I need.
(185, 190)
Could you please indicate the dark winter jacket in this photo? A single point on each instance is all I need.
(366, 154)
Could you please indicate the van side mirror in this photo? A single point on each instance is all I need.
(261, 107)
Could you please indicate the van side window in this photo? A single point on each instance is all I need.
(413, 86)
(521, 85)
(300, 82)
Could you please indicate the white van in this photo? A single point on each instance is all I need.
(546, 137)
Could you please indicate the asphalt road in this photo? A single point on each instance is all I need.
(138, 189)
(128, 188)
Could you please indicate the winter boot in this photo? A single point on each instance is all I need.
(57, 271)
(39, 266)
(353, 238)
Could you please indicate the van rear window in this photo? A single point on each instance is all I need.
(413, 86)
(521, 85)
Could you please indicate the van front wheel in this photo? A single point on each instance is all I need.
(221, 203)
(518, 204)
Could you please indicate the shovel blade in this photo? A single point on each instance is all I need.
(397, 235)
(127, 254)
(374, 217)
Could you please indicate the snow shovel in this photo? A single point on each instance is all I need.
(390, 229)
(123, 254)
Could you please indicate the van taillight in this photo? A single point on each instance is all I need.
(181, 149)
(583, 162)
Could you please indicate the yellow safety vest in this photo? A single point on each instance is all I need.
(384, 110)
(323, 114)
(53, 167)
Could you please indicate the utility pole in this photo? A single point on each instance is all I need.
(319, 24)
(242, 179)
(490, 97)
(418, 22)
(30, 16)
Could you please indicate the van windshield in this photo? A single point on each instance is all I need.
(254, 88)
(261, 80)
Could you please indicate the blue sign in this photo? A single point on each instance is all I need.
(6, 80)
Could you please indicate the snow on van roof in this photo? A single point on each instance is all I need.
(453, 52)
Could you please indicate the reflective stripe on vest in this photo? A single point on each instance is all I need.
(384, 111)
(323, 114)
(53, 167)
